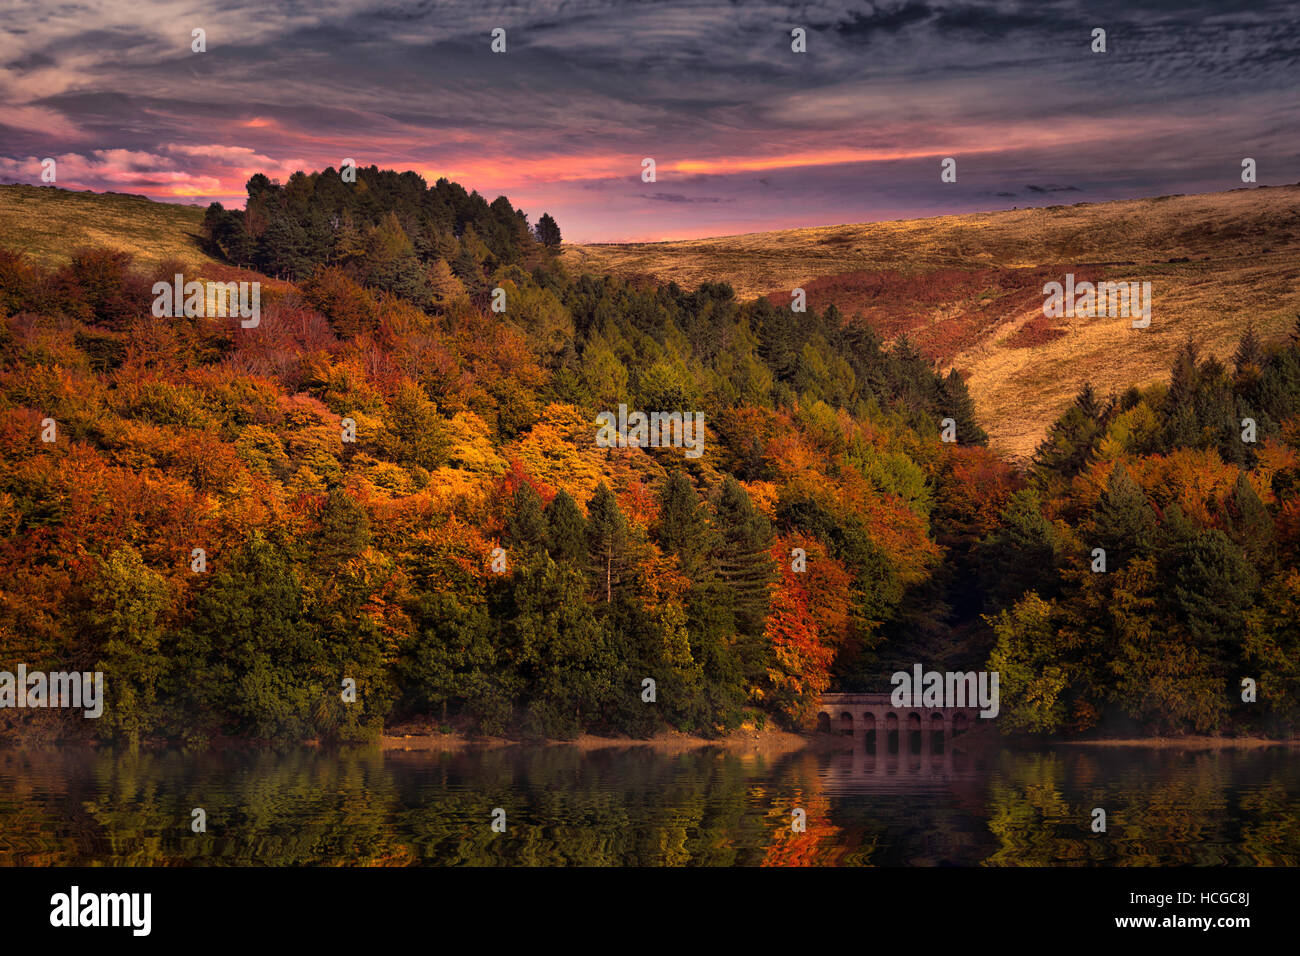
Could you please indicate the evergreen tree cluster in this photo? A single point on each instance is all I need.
(389, 230)
(1145, 580)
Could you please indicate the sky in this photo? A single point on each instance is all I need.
(746, 134)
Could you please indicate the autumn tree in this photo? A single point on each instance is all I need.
(129, 605)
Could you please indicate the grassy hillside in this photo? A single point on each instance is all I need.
(968, 289)
(48, 224)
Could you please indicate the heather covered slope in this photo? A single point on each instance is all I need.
(49, 224)
(968, 289)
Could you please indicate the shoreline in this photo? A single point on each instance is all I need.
(417, 738)
(1187, 743)
(780, 742)
(742, 741)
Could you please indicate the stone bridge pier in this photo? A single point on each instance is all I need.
(859, 714)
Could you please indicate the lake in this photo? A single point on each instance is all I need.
(637, 806)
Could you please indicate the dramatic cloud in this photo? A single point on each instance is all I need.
(745, 133)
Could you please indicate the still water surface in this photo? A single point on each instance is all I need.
(637, 806)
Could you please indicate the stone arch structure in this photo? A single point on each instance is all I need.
(859, 714)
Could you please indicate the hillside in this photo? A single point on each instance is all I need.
(387, 480)
(968, 289)
(49, 224)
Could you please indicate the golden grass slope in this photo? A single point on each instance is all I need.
(1216, 262)
(48, 224)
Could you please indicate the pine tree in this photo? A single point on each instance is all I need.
(548, 231)
(349, 243)
(1022, 554)
(344, 531)
(1069, 446)
(956, 403)
(1250, 526)
(1250, 353)
(563, 651)
(391, 264)
(444, 287)
(454, 661)
(1184, 377)
(911, 377)
(526, 527)
(1278, 393)
(250, 657)
(467, 264)
(606, 541)
(682, 528)
(743, 555)
(566, 530)
(283, 248)
(1182, 424)
(1123, 522)
(1210, 587)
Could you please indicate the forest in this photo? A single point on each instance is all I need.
(200, 531)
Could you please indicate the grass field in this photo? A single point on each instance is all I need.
(968, 289)
(48, 224)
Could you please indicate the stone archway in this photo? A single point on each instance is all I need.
(892, 725)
